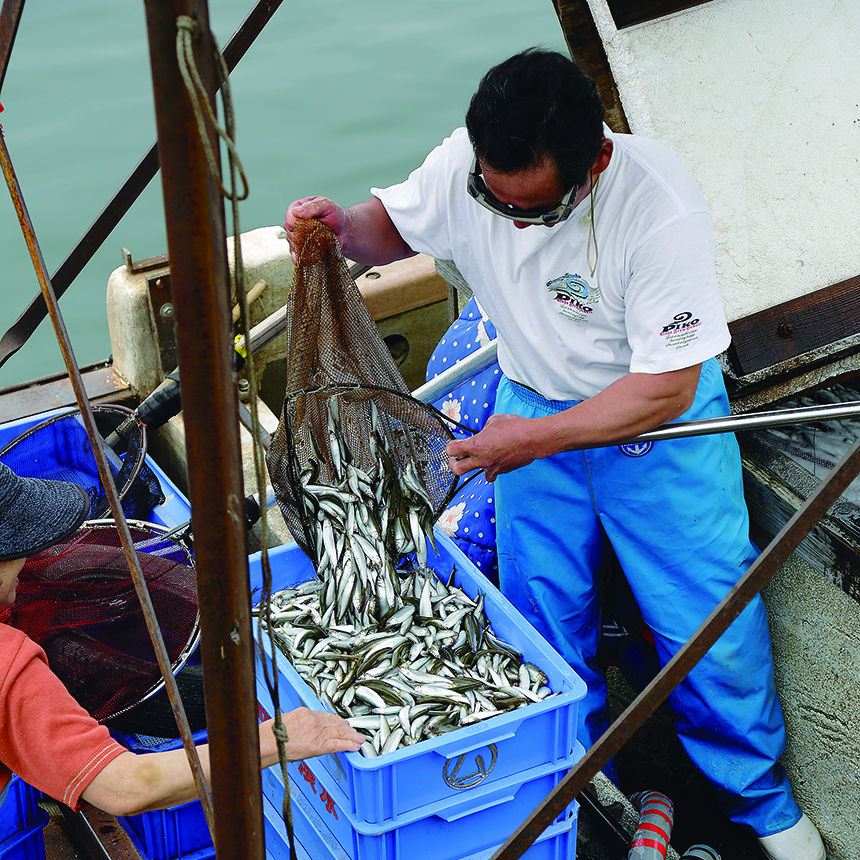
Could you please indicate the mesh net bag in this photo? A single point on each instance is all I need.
(346, 402)
(77, 600)
(59, 449)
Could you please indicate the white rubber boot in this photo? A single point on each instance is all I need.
(800, 842)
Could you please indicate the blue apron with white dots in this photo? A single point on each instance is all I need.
(470, 517)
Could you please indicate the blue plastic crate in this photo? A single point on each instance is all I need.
(20, 808)
(28, 844)
(176, 509)
(167, 834)
(475, 835)
(557, 842)
(393, 788)
(313, 841)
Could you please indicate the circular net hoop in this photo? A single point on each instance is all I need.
(373, 423)
(59, 449)
(77, 600)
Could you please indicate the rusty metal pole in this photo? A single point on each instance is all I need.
(10, 17)
(200, 283)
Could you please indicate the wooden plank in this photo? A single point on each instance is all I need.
(101, 382)
(402, 286)
(585, 46)
(98, 834)
(795, 327)
(626, 13)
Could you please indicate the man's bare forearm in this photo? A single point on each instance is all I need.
(631, 405)
(370, 236)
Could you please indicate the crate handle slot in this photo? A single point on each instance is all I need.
(468, 809)
(454, 749)
(22, 835)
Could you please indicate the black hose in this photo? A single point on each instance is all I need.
(154, 411)
(165, 402)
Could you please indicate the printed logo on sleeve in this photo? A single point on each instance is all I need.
(574, 296)
(682, 331)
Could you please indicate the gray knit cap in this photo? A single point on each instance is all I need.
(37, 513)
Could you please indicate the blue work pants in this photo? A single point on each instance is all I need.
(675, 514)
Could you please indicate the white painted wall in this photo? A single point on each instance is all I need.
(760, 100)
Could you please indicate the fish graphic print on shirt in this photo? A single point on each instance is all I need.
(574, 296)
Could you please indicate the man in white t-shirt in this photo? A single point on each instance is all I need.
(592, 253)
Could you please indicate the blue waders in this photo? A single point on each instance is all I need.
(675, 514)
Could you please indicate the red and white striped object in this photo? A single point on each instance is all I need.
(651, 839)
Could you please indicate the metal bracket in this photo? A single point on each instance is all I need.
(469, 780)
(161, 303)
(147, 265)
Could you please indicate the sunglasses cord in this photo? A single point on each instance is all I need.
(591, 233)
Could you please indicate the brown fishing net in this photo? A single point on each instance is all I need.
(78, 601)
(346, 402)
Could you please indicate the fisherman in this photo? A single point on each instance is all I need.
(593, 255)
(49, 740)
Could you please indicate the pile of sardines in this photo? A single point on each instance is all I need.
(362, 525)
(400, 653)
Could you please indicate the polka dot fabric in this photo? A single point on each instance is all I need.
(470, 519)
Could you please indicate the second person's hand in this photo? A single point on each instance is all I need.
(309, 733)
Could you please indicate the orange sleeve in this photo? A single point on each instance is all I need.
(46, 737)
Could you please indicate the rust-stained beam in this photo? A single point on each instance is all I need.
(813, 321)
(586, 47)
(201, 290)
(110, 216)
(99, 835)
(626, 13)
(750, 584)
(10, 17)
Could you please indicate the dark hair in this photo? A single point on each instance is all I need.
(537, 103)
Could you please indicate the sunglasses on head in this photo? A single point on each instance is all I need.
(549, 218)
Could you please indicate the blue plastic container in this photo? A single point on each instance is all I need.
(483, 818)
(313, 841)
(27, 844)
(167, 834)
(180, 831)
(400, 786)
(557, 842)
(175, 510)
(314, 838)
(20, 809)
(161, 833)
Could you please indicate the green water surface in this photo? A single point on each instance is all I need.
(334, 96)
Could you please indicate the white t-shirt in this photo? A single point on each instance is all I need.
(652, 304)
